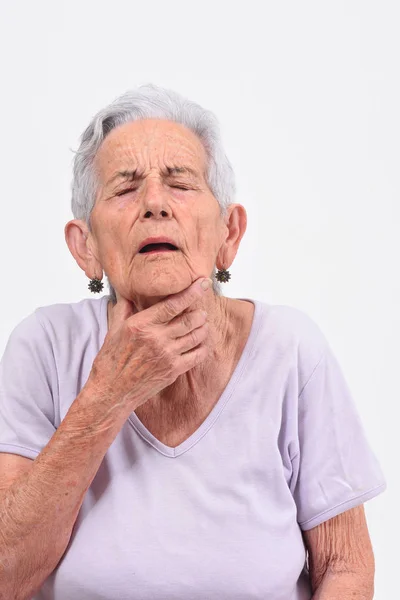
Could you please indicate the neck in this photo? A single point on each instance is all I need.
(187, 395)
(219, 311)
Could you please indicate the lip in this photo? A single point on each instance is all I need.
(157, 240)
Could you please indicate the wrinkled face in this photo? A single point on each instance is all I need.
(152, 182)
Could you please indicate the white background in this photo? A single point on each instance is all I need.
(308, 97)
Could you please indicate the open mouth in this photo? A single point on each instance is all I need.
(161, 247)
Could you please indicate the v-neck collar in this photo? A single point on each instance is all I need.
(222, 401)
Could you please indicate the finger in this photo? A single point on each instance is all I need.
(192, 339)
(193, 357)
(186, 322)
(173, 305)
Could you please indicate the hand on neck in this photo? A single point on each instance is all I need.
(218, 309)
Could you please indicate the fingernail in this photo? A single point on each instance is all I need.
(206, 283)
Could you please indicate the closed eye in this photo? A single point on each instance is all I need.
(133, 189)
(126, 191)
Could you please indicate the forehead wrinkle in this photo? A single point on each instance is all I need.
(176, 150)
(110, 153)
(194, 155)
(167, 171)
(184, 143)
(153, 130)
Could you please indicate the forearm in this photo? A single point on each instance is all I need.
(38, 511)
(345, 586)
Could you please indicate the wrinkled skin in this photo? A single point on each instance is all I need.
(181, 206)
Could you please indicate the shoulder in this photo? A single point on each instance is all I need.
(293, 335)
(60, 325)
(293, 324)
(84, 315)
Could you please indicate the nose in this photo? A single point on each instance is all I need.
(155, 202)
(161, 213)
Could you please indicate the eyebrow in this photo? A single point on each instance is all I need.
(135, 174)
(182, 170)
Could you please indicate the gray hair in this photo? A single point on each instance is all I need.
(151, 102)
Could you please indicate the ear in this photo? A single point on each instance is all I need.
(82, 247)
(236, 223)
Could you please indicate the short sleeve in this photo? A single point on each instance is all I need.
(28, 389)
(335, 468)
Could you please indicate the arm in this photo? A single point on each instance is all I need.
(39, 509)
(341, 559)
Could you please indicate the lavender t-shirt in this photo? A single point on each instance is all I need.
(221, 515)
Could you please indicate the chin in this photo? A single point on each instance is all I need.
(160, 289)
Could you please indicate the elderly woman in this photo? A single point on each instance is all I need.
(163, 441)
